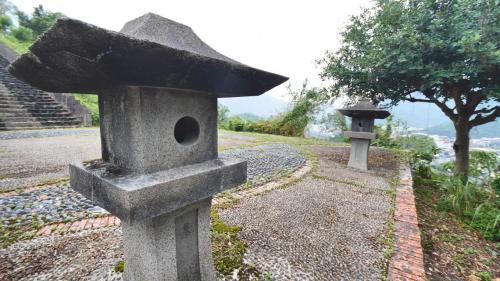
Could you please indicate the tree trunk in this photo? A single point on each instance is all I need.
(461, 148)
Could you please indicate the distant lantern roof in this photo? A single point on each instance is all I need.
(74, 56)
(365, 108)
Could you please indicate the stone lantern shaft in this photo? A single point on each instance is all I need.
(158, 85)
(363, 116)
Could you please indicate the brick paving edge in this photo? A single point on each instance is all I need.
(407, 261)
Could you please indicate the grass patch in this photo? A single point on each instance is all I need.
(14, 44)
(227, 249)
(91, 102)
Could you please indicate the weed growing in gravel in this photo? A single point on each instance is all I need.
(227, 249)
(325, 178)
(62, 181)
(12, 232)
(120, 266)
(484, 275)
(388, 239)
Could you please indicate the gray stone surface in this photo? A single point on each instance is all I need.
(158, 173)
(74, 56)
(360, 135)
(174, 246)
(365, 108)
(132, 196)
(363, 116)
(144, 121)
(359, 154)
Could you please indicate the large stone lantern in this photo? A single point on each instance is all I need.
(158, 85)
(363, 116)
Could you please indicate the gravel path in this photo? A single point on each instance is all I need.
(319, 228)
(52, 204)
(316, 229)
(27, 162)
(31, 157)
(8, 135)
(86, 255)
(60, 203)
(267, 161)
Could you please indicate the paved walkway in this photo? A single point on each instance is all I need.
(40, 156)
(324, 224)
(329, 226)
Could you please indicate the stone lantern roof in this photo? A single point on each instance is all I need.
(150, 51)
(365, 108)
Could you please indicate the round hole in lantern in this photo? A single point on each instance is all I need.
(186, 130)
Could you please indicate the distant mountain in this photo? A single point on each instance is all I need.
(264, 105)
(489, 130)
(249, 116)
(419, 114)
(432, 120)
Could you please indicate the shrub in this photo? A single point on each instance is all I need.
(5, 23)
(473, 203)
(22, 34)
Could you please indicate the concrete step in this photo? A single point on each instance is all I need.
(25, 98)
(23, 93)
(36, 128)
(31, 106)
(31, 110)
(29, 114)
(36, 119)
(27, 103)
(37, 124)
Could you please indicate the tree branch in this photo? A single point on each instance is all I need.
(484, 110)
(480, 119)
(410, 99)
(447, 111)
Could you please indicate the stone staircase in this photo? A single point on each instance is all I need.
(23, 107)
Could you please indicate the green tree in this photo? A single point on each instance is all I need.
(333, 122)
(5, 23)
(444, 52)
(40, 21)
(294, 121)
(22, 34)
(222, 113)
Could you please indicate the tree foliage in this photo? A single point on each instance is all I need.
(444, 52)
(292, 122)
(40, 20)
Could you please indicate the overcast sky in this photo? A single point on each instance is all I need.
(281, 36)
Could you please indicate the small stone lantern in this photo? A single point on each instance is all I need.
(158, 85)
(363, 116)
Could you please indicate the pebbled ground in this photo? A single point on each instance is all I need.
(320, 228)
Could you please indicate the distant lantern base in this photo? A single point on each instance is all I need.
(360, 145)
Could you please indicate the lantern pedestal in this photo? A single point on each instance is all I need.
(174, 246)
(360, 145)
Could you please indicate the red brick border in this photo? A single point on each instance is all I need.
(407, 263)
